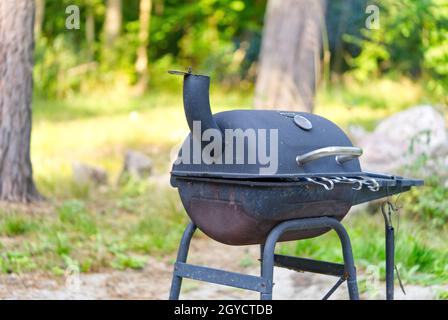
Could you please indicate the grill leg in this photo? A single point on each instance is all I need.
(181, 257)
(390, 250)
(267, 253)
(386, 210)
(349, 262)
(261, 266)
(267, 265)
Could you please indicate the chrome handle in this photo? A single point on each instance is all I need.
(343, 154)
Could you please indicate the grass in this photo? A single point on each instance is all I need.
(16, 225)
(421, 254)
(442, 295)
(101, 136)
(120, 226)
(93, 235)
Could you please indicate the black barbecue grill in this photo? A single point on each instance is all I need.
(316, 179)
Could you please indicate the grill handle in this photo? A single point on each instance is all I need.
(343, 154)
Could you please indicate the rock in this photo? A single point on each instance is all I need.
(136, 164)
(86, 174)
(401, 139)
(161, 180)
(436, 166)
(356, 133)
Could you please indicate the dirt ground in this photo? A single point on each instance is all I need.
(153, 282)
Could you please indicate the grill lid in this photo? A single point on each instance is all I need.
(263, 143)
(258, 143)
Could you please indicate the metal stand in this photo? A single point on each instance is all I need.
(264, 283)
(390, 252)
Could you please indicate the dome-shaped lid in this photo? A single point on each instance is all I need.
(267, 143)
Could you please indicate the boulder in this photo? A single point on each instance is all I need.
(401, 139)
(160, 180)
(356, 133)
(87, 174)
(136, 164)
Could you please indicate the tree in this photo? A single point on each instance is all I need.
(112, 23)
(290, 54)
(39, 17)
(16, 87)
(90, 31)
(141, 65)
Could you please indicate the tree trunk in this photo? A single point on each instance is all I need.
(289, 65)
(16, 87)
(141, 65)
(112, 23)
(342, 27)
(39, 18)
(159, 7)
(90, 33)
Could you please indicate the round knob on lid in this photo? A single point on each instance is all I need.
(303, 122)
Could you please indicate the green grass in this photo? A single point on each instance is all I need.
(116, 103)
(119, 226)
(93, 235)
(14, 225)
(421, 253)
(442, 295)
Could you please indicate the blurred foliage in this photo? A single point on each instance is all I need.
(223, 38)
(430, 203)
(412, 40)
(218, 37)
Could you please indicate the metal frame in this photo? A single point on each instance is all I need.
(390, 264)
(264, 283)
(390, 252)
